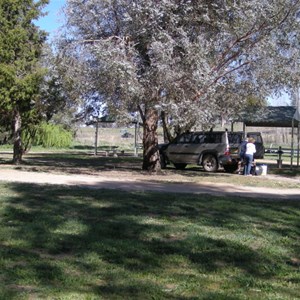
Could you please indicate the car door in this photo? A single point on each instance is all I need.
(195, 148)
(235, 140)
(178, 151)
(215, 143)
(259, 145)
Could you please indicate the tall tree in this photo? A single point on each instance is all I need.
(56, 102)
(21, 43)
(195, 61)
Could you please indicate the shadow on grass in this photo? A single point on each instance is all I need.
(57, 241)
(85, 163)
(286, 171)
(76, 163)
(88, 164)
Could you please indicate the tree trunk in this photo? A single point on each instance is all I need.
(166, 129)
(151, 158)
(18, 150)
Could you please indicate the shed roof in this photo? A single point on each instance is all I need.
(269, 116)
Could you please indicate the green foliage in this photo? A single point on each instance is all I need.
(51, 135)
(253, 101)
(48, 135)
(20, 48)
(55, 101)
(21, 44)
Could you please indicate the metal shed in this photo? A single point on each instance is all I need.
(273, 116)
(270, 116)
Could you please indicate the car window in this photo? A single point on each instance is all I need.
(185, 138)
(234, 138)
(213, 138)
(257, 137)
(198, 138)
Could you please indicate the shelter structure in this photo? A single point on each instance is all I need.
(111, 119)
(273, 116)
(95, 122)
(270, 116)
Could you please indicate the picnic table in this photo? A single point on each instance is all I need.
(111, 150)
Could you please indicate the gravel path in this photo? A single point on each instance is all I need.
(115, 181)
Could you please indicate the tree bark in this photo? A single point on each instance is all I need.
(151, 157)
(166, 129)
(18, 150)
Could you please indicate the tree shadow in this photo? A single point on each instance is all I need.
(63, 238)
(76, 163)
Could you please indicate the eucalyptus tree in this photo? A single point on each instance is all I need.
(56, 102)
(21, 43)
(194, 61)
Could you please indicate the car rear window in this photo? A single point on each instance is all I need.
(234, 138)
(257, 137)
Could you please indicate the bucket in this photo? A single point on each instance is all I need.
(261, 170)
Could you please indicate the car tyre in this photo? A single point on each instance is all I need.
(210, 163)
(163, 163)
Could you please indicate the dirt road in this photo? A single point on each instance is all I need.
(114, 180)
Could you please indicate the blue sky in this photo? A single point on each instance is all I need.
(53, 20)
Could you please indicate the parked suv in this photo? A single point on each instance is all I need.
(208, 149)
(201, 148)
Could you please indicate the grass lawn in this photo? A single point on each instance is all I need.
(67, 243)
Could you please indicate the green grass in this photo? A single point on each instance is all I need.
(70, 243)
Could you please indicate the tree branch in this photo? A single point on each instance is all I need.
(141, 113)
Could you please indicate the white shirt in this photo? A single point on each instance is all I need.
(250, 149)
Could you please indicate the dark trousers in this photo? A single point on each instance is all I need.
(248, 164)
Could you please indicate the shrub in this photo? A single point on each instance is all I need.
(49, 135)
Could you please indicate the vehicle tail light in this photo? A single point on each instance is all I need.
(227, 152)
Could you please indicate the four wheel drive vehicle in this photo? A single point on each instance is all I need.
(208, 149)
(201, 148)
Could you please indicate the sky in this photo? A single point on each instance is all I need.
(53, 20)
(283, 100)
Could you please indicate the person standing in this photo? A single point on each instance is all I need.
(242, 152)
(243, 148)
(250, 150)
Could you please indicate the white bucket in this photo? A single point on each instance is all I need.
(261, 170)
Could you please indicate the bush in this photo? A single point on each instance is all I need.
(49, 135)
